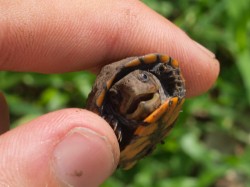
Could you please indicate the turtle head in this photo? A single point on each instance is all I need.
(136, 95)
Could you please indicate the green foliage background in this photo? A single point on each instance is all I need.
(210, 145)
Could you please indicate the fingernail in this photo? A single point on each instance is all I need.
(83, 158)
(205, 50)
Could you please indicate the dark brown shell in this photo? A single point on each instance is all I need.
(138, 138)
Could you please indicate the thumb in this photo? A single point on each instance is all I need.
(71, 147)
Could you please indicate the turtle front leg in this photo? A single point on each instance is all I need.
(115, 126)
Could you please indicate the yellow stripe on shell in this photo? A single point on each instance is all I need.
(132, 63)
(171, 111)
(128, 155)
(164, 58)
(151, 119)
(148, 59)
(134, 148)
(173, 116)
(175, 63)
(109, 82)
(100, 98)
(157, 113)
(146, 130)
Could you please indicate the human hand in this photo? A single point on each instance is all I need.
(75, 146)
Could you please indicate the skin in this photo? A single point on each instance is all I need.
(62, 36)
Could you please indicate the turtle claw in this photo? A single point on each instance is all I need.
(117, 130)
(119, 135)
(115, 126)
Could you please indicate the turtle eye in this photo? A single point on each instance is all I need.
(143, 77)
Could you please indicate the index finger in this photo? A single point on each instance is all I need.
(61, 36)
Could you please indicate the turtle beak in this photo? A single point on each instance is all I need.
(142, 108)
(131, 98)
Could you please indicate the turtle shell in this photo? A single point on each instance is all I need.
(140, 97)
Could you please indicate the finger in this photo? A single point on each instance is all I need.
(73, 147)
(60, 36)
(4, 115)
